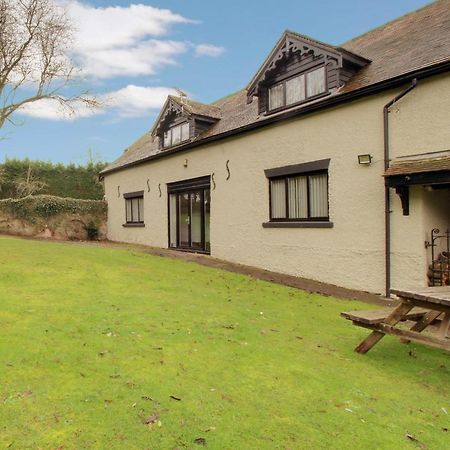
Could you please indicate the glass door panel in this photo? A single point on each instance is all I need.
(184, 219)
(172, 220)
(196, 220)
(189, 219)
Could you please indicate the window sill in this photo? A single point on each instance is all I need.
(311, 99)
(133, 225)
(310, 224)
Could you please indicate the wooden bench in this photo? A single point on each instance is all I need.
(422, 305)
(374, 317)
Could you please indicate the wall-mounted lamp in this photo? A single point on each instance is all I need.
(365, 160)
(185, 163)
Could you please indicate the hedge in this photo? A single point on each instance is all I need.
(36, 207)
(75, 181)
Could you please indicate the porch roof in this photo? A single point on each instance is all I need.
(419, 166)
(427, 171)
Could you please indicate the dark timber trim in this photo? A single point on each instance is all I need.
(295, 224)
(425, 178)
(328, 102)
(298, 169)
(133, 194)
(193, 183)
(403, 193)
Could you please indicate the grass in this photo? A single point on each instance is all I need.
(95, 340)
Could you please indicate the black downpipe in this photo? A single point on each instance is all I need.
(387, 199)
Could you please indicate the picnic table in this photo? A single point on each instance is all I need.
(421, 305)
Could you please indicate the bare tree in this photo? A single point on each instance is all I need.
(29, 185)
(35, 38)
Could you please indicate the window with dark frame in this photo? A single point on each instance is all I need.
(297, 89)
(134, 208)
(299, 197)
(299, 193)
(176, 135)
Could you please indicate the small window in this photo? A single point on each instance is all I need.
(177, 134)
(276, 96)
(185, 131)
(315, 82)
(297, 89)
(299, 197)
(134, 209)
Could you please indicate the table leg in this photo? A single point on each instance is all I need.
(395, 317)
(423, 323)
(445, 326)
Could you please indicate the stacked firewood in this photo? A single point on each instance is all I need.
(439, 271)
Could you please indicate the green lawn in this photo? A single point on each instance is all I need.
(93, 341)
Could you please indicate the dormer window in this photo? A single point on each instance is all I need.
(176, 134)
(182, 119)
(299, 70)
(297, 89)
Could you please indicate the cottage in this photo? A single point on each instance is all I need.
(333, 164)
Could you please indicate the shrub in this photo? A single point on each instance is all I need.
(92, 231)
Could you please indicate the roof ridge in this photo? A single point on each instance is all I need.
(185, 101)
(201, 103)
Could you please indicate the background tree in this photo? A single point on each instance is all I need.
(21, 177)
(29, 184)
(35, 39)
(3, 178)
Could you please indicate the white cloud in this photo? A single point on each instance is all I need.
(53, 110)
(137, 101)
(113, 26)
(142, 59)
(130, 101)
(208, 50)
(120, 41)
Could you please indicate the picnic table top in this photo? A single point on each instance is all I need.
(439, 295)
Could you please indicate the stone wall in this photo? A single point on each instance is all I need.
(54, 218)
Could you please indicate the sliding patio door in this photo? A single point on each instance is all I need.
(189, 215)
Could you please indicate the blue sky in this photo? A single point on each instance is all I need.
(134, 55)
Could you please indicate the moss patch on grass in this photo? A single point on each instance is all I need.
(97, 341)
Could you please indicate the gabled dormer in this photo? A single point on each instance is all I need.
(300, 70)
(181, 120)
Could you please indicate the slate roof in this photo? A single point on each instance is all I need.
(417, 40)
(419, 166)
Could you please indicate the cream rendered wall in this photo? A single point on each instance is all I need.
(350, 254)
(419, 127)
